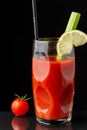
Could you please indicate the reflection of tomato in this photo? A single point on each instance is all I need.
(20, 123)
(20, 106)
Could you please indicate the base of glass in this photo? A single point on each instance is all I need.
(54, 122)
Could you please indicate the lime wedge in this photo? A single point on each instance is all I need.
(68, 39)
(64, 45)
(79, 37)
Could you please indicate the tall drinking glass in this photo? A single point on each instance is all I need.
(52, 82)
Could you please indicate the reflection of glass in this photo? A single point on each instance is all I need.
(53, 82)
(65, 127)
(20, 123)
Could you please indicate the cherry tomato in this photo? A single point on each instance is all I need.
(20, 106)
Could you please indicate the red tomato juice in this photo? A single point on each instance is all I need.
(53, 87)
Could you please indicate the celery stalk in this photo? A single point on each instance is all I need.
(73, 21)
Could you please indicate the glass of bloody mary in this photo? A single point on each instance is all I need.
(53, 82)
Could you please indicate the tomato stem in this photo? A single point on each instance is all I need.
(23, 97)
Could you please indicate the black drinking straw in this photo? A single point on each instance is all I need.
(35, 18)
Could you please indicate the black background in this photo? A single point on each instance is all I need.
(17, 34)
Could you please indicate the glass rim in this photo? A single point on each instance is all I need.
(47, 39)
